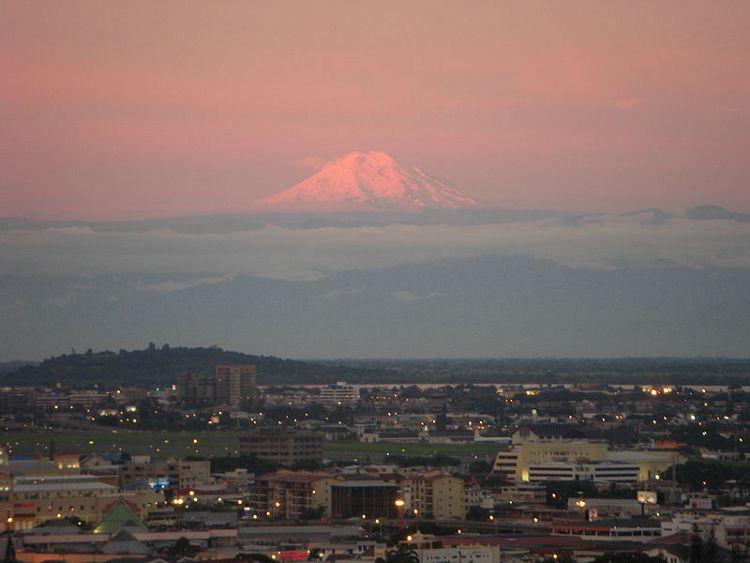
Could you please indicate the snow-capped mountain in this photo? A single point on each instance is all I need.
(369, 180)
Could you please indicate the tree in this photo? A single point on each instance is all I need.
(696, 546)
(478, 513)
(181, 548)
(442, 421)
(702, 474)
(404, 554)
(307, 465)
(738, 553)
(479, 466)
(313, 513)
(710, 547)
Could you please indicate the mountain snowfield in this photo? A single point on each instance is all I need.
(368, 181)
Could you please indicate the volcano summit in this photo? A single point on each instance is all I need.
(368, 181)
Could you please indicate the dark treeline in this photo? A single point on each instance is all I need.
(160, 365)
(657, 370)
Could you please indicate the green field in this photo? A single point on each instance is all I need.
(379, 451)
(181, 444)
(157, 444)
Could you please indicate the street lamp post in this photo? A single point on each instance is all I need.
(399, 504)
(581, 505)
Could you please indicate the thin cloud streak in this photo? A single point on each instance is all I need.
(283, 253)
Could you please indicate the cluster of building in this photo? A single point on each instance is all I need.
(88, 508)
(576, 471)
(34, 491)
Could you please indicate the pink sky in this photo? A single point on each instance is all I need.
(141, 109)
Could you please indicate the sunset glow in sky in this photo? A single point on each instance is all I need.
(139, 109)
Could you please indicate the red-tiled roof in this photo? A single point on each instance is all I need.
(294, 477)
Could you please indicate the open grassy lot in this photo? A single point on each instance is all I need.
(158, 444)
(379, 451)
(164, 444)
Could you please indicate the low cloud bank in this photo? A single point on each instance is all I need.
(285, 253)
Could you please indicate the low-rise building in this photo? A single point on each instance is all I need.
(285, 447)
(15, 400)
(543, 452)
(37, 499)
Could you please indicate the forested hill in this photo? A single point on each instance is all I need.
(7, 367)
(160, 366)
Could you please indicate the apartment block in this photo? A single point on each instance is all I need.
(435, 494)
(285, 447)
(235, 384)
(171, 473)
(339, 395)
(290, 495)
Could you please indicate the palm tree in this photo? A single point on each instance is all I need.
(404, 554)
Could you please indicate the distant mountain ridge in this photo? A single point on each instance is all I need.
(161, 366)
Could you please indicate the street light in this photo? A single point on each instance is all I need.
(581, 505)
(494, 521)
